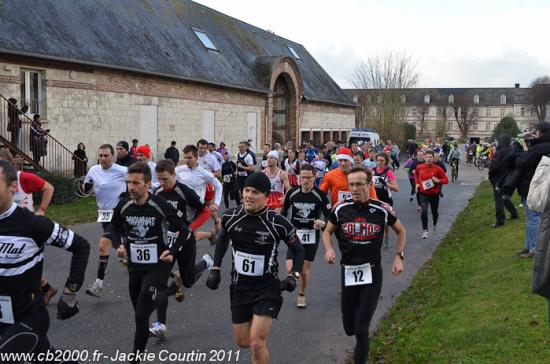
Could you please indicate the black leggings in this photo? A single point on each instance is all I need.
(147, 289)
(358, 306)
(433, 201)
(413, 186)
(227, 191)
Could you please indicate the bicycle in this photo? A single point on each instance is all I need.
(454, 170)
(79, 189)
(483, 163)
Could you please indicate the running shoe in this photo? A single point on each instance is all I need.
(158, 330)
(207, 258)
(301, 301)
(95, 290)
(179, 295)
(435, 229)
(425, 234)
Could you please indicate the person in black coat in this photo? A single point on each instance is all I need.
(14, 123)
(124, 157)
(172, 153)
(37, 139)
(499, 168)
(230, 190)
(81, 162)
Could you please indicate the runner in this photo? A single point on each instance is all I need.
(419, 160)
(229, 170)
(212, 151)
(291, 167)
(255, 291)
(124, 158)
(320, 165)
(27, 184)
(183, 199)
(109, 182)
(208, 160)
(336, 180)
(279, 182)
(385, 182)
(359, 224)
(265, 149)
(144, 155)
(303, 206)
(193, 175)
(370, 162)
(142, 219)
(428, 177)
(24, 319)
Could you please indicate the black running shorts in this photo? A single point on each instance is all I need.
(260, 299)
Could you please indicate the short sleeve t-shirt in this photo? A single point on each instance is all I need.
(31, 183)
(109, 184)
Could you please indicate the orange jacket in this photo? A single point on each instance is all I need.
(337, 182)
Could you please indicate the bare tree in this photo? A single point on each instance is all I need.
(420, 116)
(539, 95)
(383, 78)
(442, 121)
(465, 115)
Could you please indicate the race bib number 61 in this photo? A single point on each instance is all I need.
(249, 264)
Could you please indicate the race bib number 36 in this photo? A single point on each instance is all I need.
(356, 275)
(104, 215)
(143, 253)
(307, 236)
(427, 184)
(249, 264)
(6, 311)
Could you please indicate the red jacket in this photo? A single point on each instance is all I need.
(423, 175)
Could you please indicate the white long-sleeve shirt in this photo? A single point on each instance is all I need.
(197, 178)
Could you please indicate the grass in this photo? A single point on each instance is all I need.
(470, 303)
(77, 212)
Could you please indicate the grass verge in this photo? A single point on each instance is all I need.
(77, 212)
(470, 303)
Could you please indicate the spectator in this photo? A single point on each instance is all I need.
(172, 153)
(124, 158)
(133, 149)
(38, 141)
(81, 162)
(14, 122)
(498, 170)
(222, 150)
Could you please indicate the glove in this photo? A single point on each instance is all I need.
(67, 306)
(213, 280)
(288, 284)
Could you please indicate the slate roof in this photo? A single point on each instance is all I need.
(440, 96)
(156, 37)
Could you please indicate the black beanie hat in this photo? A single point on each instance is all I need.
(259, 181)
(123, 144)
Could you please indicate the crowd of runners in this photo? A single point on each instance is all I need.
(153, 215)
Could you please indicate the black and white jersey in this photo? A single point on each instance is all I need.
(146, 230)
(183, 199)
(254, 240)
(304, 208)
(23, 236)
(360, 230)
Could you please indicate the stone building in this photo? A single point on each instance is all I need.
(157, 70)
(431, 110)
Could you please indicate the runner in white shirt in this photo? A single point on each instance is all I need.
(197, 178)
(207, 160)
(109, 182)
(144, 155)
(212, 151)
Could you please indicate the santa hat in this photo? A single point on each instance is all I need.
(344, 153)
(145, 150)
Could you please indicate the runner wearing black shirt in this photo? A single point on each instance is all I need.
(255, 291)
(359, 226)
(304, 205)
(24, 320)
(145, 220)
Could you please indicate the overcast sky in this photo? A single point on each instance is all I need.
(461, 43)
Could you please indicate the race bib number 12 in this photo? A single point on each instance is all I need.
(356, 275)
(6, 310)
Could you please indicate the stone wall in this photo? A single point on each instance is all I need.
(324, 123)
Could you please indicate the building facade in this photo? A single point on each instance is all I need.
(160, 71)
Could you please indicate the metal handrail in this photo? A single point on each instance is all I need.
(31, 142)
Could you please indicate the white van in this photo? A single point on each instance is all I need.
(366, 135)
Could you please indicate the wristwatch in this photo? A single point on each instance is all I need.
(401, 255)
(296, 275)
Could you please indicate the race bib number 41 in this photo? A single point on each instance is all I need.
(6, 310)
(249, 264)
(427, 184)
(307, 236)
(356, 275)
(104, 215)
(143, 253)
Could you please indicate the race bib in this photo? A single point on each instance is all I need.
(172, 236)
(6, 310)
(342, 195)
(227, 178)
(242, 174)
(264, 164)
(319, 174)
(143, 253)
(356, 275)
(306, 236)
(104, 215)
(249, 264)
(427, 184)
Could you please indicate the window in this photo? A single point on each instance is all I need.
(487, 126)
(31, 92)
(503, 99)
(476, 99)
(294, 53)
(522, 111)
(475, 126)
(439, 113)
(476, 112)
(450, 127)
(413, 111)
(379, 99)
(403, 99)
(451, 99)
(427, 99)
(501, 112)
(206, 42)
(488, 111)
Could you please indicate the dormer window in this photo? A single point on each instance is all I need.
(451, 99)
(403, 99)
(502, 99)
(427, 99)
(476, 99)
(293, 51)
(206, 42)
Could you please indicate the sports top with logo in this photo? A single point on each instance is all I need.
(361, 230)
(305, 208)
(23, 236)
(146, 230)
(182, 198)
(254, 240)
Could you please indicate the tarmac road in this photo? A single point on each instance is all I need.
(202, 323)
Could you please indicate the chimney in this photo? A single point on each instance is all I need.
(516, 85)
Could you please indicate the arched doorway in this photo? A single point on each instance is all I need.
(281, 111)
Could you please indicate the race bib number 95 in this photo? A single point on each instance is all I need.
(104, 215)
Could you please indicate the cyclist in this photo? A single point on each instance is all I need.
(454, 157)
